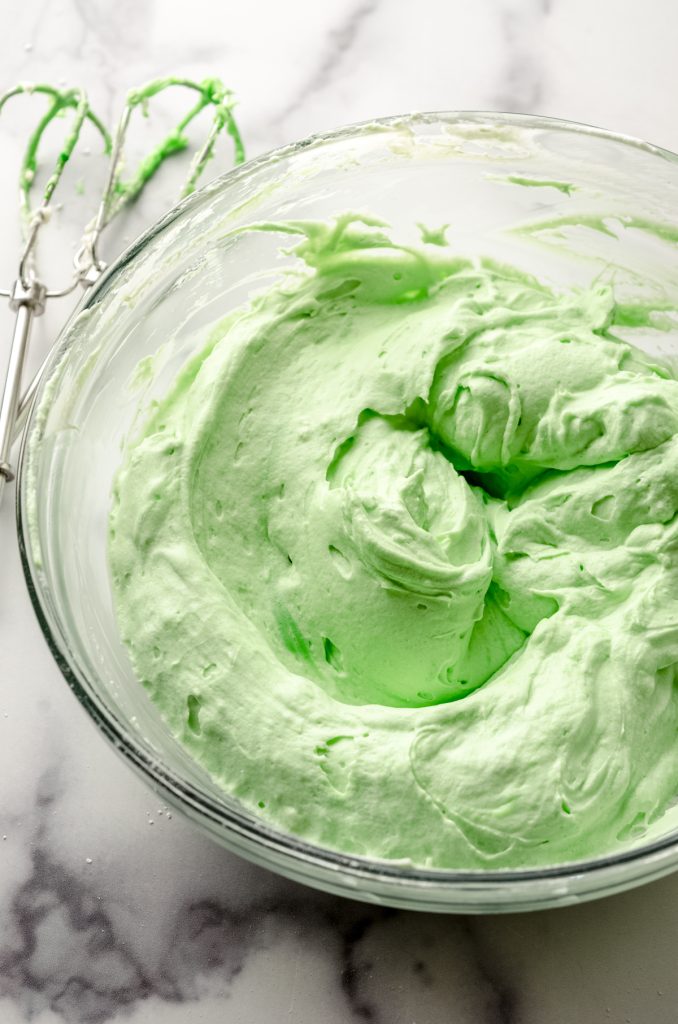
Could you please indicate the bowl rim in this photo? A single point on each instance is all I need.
(184, 793)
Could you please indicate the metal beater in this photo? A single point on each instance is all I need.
(28, 295)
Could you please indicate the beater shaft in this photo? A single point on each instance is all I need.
(27, 302)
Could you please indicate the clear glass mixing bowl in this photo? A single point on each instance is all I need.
(564, 201)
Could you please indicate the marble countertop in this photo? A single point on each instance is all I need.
(110, 909)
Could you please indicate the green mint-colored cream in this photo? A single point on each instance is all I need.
(397, 558)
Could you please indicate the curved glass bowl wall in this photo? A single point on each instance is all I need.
(499, 183)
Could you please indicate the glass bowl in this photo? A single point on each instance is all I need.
(564, 201)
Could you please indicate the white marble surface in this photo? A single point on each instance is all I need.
(112, 911)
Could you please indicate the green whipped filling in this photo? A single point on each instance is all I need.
(397, 558)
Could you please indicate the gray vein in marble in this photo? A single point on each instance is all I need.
(502, 999)
(62, 952)
(437, 961)
(70, 960)
(522, 83)
(352, 973)
(340, 41)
